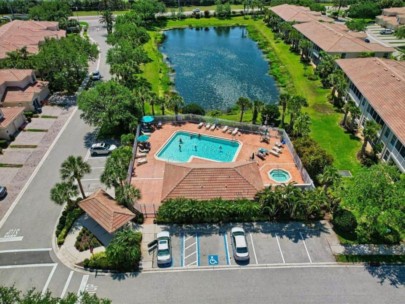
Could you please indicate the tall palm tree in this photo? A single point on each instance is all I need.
(370, 132)
(153, 101)
(244, 104)
(74, 168)
(257, 107)
(294, 107)
(294, 37)
(346, 109)
(301, 126)
(283, 101)
(162, 102)
(175, 103)
(339, 86)
(329, 177)
(354, 114)
(304, 46)
(143, 95)
(127, 195)
(63, 193)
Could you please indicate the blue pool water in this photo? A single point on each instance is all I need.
(183, 146)
(279, 175)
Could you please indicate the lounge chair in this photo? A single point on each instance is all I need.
(200, 125)
(159, 125)
(265, 139)
(278, 150)
(279, 144)
(143, 150)
(224, 129)
(139, 155)
(261, 156)
(263, 151)
(142, 161)
(234, 132)
(146, 133)
(213, 127)
(230, 130)
(274, 153)
(207, 126)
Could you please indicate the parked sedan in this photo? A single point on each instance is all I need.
(164, 250)
(3, 192)
(239, 244)
(102, 149)
(96, 76)
(386, 32)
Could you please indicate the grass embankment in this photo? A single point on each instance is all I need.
(292, 74)
(388, 259)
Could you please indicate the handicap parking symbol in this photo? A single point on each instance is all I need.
(213, 260)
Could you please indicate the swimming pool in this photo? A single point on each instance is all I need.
(279, 175)
(183, 146)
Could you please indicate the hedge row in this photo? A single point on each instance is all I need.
(69, 216)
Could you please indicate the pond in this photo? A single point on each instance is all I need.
(215, 66)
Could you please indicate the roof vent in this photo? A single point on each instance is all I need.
(398, 79)
(392, 75)
(385, 69)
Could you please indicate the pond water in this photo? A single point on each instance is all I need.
(215, 66)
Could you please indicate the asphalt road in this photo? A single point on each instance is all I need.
(27, 259)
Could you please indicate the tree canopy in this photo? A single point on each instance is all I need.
(51, 10)
(110, 106)
(377, 196)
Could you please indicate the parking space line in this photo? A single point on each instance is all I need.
(25, 250)
(253, 247)
(182, 250)
(191, 245)
(83, 285)
(306, 249)
(198, 249)
(279, 248)
(89, 179)
(192, 263)
(87, 155)
(190, 237)
(67, 284)
(49, 279)
(228, 260)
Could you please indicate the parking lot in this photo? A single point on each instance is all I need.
(268, 243)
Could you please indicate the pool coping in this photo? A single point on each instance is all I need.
(192, 157)
(274, 169)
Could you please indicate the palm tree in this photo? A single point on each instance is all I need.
(305, 46)
(294, 107)
(143, 95)
(301, 125)
(283, 101)
(127, 195)
(63, 193)
(175, 103)
(354, 114)
(74, 168)
(257, 107)
(294, 37)
(346, 109)
(153, 101)
(244, 104)
(339, 86)
(108, 18)
(329, 177)
(162, 102)
(370, 133)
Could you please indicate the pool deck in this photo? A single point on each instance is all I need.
(148, 177)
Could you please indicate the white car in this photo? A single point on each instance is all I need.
(102, 149)
(164, 250)
(239, 244)
(96, 76)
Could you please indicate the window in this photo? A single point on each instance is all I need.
(386, 155)
(355, 91)
(343, 55)
(387, 133)
(393, 140)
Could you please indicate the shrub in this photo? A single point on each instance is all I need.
(3, 143)
(206, 13)
(313, 156)
(190, 211)
(28, 114)
(344, 221)
(364, 10)
(193, 108)
(98, 261)
(72, 216)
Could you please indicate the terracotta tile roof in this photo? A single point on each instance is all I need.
(17, 34)
(297, 13)
(393, 11)
(10, 114)
(16, 94)
(382, 83)
(337, 38)
(102, 208)
(211, 180)
(7, 75)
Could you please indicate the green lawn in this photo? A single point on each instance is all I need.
(325, 120)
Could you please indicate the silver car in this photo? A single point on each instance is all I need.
(102, 149)
(239, 244)
(164, 250)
